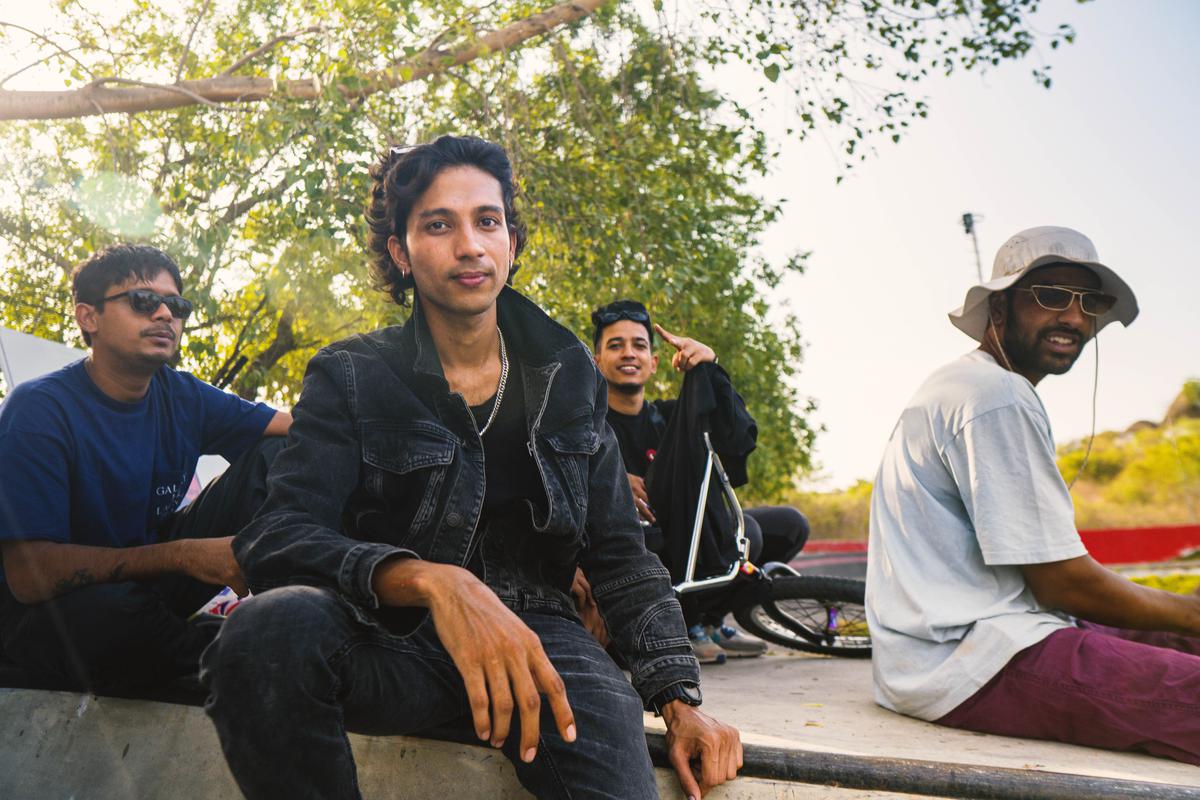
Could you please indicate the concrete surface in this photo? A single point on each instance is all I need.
(66, 745)
(62, 745)
(787, 699)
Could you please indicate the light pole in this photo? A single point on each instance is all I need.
(968, 223)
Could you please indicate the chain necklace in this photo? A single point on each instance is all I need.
(503, 382)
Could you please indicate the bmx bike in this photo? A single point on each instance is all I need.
(813, 613)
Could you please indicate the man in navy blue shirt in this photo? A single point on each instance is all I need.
(100, 571)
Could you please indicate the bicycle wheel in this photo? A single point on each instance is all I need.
(813, 613)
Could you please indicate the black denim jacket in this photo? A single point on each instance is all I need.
(384, 460)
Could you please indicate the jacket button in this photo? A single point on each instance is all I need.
(454, 519)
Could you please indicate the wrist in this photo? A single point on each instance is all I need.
(403, 581)
(674, 709)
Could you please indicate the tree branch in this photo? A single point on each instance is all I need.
(96, 98)
(187, 47)
(258, 51)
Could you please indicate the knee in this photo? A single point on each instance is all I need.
(273, 633)
(798, 523)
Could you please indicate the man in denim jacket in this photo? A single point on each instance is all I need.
(414, 559)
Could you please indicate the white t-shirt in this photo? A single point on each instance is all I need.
(968, 489)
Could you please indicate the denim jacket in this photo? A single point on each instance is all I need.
(383, 460)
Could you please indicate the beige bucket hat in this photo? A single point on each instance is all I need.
(1037, 247)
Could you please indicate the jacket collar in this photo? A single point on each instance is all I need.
(535, 338)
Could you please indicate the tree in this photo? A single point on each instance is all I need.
(632, 166)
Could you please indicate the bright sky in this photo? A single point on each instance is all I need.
(1109, 150)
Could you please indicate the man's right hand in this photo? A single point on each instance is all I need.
(211, 561)
(641, 499)
(501, 660)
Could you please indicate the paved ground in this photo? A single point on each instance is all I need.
(845, 565)
(824, 704)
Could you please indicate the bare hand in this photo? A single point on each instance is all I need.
(641, 498)
(501, 661)
(211, 561)
(692, 734)
(585, 606)
(688, 352)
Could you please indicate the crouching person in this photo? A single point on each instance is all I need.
(101, 572)
(414, 559)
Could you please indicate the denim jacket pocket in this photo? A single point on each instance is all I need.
(405, 461)
(572, 447)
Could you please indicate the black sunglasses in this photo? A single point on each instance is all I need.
(145, 301)
(609, 317)
(1059, 298)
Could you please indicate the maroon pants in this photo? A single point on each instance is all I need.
(1096, 686)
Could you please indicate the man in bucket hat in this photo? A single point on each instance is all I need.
(986, 611)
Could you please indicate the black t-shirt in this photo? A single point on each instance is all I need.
(509, 470)
(638, 436)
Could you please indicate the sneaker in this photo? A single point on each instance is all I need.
(703, 647)
(735, 644)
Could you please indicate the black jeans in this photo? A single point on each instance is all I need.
(776, 533)
(296, 667)
(118, 636)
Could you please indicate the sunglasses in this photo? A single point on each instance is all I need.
(145, 301)
(1059, 298)
(633, 315)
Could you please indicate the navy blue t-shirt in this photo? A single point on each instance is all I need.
(77, 466)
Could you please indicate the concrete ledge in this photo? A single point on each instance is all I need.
(62, 744)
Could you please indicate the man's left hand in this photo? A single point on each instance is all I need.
(688, 352)
(585, 606)
(693, 735)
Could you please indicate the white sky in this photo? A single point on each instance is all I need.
(1109, 150)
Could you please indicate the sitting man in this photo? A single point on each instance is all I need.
(986, 611)
(623, 338)
(100, 572)
(414, 559)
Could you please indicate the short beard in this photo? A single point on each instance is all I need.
(1024, 355)
(627, 388)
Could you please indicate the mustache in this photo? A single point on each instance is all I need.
(160, 330)
(1065, 330)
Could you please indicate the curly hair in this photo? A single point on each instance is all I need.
(401, 176)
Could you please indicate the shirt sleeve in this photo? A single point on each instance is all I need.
(1003, 464)
(35, 483)
(231, 424)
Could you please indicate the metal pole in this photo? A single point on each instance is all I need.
(968, 222)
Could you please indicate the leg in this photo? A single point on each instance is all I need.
(609, 758)
(297, 660)
(103, 638)
(1085, 687)
(225, 506)
(1171, 641)
(784, 531)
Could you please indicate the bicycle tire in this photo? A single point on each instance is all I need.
(798, 612)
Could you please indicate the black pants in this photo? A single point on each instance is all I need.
(118, 636)
(776, 533)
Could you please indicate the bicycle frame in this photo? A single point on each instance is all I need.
(690, 584)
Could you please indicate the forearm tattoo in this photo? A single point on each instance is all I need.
(84, 577)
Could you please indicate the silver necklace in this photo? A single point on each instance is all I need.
(503, 382)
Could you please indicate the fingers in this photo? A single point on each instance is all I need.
(644, 510)
(529, 706)
(502, 702)
(683, 768)
(477, 696)
(551, 685)
(712, 767)
(668, 337)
